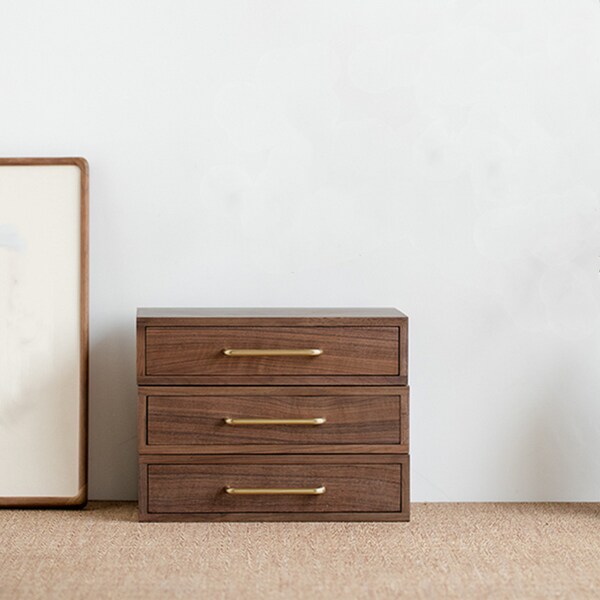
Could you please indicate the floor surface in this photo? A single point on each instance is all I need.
(446, 551)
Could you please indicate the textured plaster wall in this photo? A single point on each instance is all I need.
(441, 157)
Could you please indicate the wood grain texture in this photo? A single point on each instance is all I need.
(140, 353)
(299, 319)
(272, 380)
(204, 488)
(143, 491)
(199, 351)
(201, 420)
(80, 499)
(194, 423)
(379, 449)
(276, 459)
(260, 390)
(200, 488)
(187, 387)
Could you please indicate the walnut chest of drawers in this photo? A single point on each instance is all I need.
(273, 415)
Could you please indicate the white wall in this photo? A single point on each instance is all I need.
(440, 157)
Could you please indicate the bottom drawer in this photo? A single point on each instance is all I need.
(235, 489)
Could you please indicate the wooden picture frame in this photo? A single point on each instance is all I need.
(47, 445)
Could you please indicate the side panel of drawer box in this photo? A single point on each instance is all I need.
(354, 488)
(181, 420)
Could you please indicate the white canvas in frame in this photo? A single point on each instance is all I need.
(43, 331)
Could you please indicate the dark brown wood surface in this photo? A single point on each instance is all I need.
(199, 350)
(271, 380)
(372, 420)
(276, 459)
(80, 499)
(187, 454)
(201, 420)
(260, 390)
(200, 488)
(208, 468)
(171, 363)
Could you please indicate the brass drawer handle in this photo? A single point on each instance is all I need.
(267, 352)
(315, 421)
(275, 491)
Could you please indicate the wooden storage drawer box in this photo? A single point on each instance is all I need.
(347, 349)
(273, 488)
(262, 420)
(329, 351)
(273, 414)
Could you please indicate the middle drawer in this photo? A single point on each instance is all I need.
(221, 420)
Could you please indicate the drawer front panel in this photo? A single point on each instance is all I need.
(201, 488)
(334, 419)
(344, 351)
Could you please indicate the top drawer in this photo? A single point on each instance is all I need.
(273, 354)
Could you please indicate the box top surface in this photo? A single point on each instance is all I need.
(269, 313)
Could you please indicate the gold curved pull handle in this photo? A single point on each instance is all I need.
(273, 352)
(314, 421)
(317, 491)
